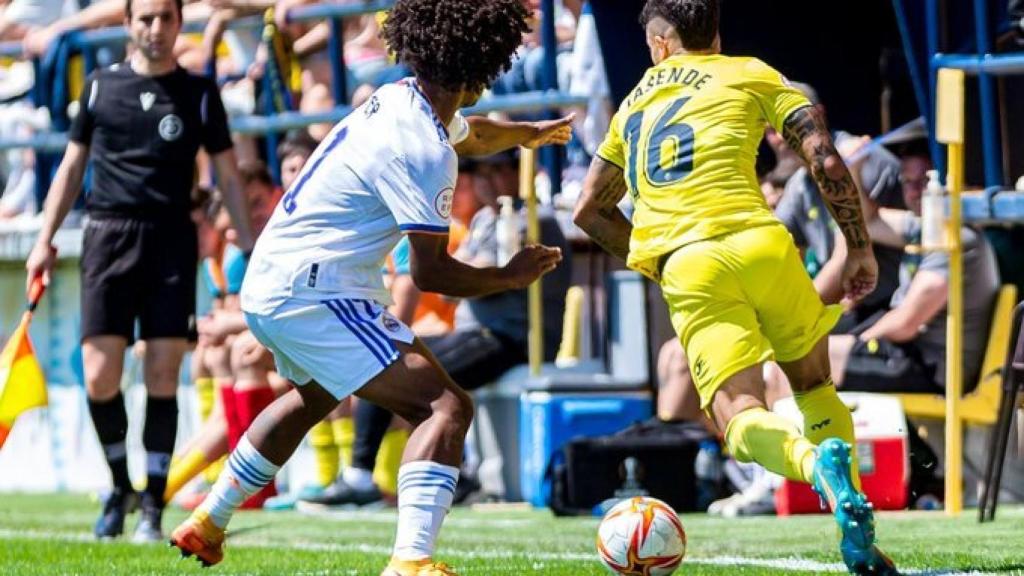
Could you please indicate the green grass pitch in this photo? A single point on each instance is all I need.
(51, 534)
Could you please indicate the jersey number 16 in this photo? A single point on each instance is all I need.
(658, 172)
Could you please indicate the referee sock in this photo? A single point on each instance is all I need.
(425, 493)
(245, 474)
(825, 416)
(757, 435)
(158, 438)
(111, 423)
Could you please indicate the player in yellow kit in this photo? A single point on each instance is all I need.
(683, 144)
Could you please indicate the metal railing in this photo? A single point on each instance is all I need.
(272, 122)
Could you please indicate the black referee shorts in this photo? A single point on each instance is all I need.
(144, 269)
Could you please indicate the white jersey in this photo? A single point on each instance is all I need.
(388, 168)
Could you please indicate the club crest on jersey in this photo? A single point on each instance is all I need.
(443, 202)
(171, 128)
(147, 99)
(390, 323)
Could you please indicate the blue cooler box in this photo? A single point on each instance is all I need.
(549, 419)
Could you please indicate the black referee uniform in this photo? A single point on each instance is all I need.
(139, 253)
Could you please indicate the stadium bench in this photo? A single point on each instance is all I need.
(981, 406)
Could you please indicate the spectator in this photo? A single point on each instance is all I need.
(807, 218)
(903, 349)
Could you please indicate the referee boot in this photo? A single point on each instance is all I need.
(150, 519)
(119, 503)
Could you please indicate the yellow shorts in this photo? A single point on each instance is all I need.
(742, 299)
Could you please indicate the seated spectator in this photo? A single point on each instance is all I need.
(903, 348)
(98, 14)
(804, 213)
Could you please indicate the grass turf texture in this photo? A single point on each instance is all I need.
(51, 534)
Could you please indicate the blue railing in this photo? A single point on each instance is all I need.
(272, 123)
(995, 203)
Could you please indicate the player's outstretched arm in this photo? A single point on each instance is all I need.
(487, 136)
(805, 132)
(597, 211)
(434, 270)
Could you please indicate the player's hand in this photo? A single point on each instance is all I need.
(551, 132)
(860, 274)
(40, 263)
(531, 263)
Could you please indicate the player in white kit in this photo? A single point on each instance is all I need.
(314, 295)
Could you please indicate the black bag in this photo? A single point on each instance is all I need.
(588, 471)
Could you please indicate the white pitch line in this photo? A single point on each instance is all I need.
(788, 564)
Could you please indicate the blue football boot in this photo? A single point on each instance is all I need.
(119, 503)
(852, 511)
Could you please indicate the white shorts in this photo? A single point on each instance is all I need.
(341, 344)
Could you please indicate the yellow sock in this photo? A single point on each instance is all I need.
(344, 437)
(825, 416)
(205, 395)
(757, 435)
(182, 470)
(325, 452)
(389, 459)
(212, 471)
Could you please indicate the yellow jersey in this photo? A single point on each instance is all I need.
(686, 139)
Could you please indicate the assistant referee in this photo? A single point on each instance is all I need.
(141, 124)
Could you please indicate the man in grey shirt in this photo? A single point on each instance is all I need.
(807, 218)
(903, 349)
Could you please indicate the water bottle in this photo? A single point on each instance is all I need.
(933, 213)
(708, 470)
(507, 230)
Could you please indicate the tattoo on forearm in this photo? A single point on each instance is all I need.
(612, 229)
(806, 133)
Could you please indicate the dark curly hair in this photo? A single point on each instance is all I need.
(696, 21)
(456, 43)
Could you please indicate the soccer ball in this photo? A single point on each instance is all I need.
(641, 537)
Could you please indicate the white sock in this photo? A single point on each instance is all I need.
(357, 478)
(246, 472)
(425, 493)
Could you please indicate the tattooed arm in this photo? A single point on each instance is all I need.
(805, 132)
(807, 135)
(597, 211)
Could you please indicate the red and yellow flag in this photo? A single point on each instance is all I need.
(22, 385)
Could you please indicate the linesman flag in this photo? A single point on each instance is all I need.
(22, 386)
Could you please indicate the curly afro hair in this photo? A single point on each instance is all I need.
(696, 21)
(456, 43)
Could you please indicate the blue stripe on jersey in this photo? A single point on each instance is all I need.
(288, 201)
(433, 228)
(335, 307)
(371, 329)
